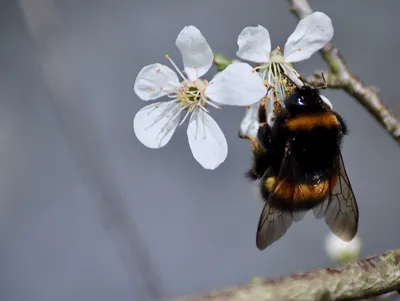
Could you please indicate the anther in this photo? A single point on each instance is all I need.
(278, 48)
(299, 49)
(248, 107)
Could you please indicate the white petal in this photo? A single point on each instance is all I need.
(155, 124)
(249, 125)
(237, 85)
(154, 81)
(196, 53)
(326, 100)
(206, 140)
(311, 34)
(254, 44)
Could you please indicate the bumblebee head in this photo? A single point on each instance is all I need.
(306, 99)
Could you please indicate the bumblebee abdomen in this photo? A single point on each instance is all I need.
(308, 122)
(288, 195)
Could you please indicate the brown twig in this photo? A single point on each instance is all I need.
(365, 278)
(341, 77)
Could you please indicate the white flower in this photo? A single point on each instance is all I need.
(155, 124)
(311, 34)
(342, 251)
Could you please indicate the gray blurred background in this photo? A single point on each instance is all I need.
(88, 213)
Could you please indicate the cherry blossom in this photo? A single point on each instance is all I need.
(192, 97)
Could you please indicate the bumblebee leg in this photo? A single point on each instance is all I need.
(263, 112)
(260, 154)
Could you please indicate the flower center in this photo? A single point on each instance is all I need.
(276, 56)
(275, 73)
(191, 94)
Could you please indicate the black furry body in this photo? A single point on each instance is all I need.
(314, 149)
(300, 167)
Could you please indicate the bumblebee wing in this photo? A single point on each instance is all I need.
(273, 225)
(340, 209)
(274, 222)
(285, 182)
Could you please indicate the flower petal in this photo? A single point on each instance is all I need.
(155, 124)
(249, 125)
(254, 44)
(237, 85)
(154, 81)
(206, 140)
(311, 34)
(197, 55)
(326, 100)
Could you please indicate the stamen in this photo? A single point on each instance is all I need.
(278, 48)
(168, 126)
(212, 104)
(299, 49)
(204, 109)
(184, 118)
(204, 128)
(264, 73)
(172, 95)
(177, 114)
(155, 106)
(175, 66)
(163, 114)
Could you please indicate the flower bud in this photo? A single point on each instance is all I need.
(341, 251)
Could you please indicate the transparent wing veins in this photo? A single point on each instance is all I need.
(340, 209)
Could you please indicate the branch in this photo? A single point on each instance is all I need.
(365, 278)
(341, 77)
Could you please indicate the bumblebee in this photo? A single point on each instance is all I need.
(299, 165)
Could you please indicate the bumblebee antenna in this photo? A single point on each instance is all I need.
(285, 75)
(324, 85)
